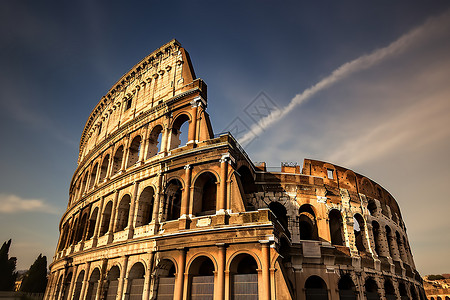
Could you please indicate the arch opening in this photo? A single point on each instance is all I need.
(104, 168)
(179, 132)
(133, 151)
(316, 288)
(106, 218)
(205, 194)
(244, 277)
(335, 219)
(123, 211)
(173, 199)
(307, 223)
(201, 279)
(136, 281)
(371, 289)
(359, 231)
(154, 141)
(347, 289)
(112, 283)
(165, 276)
(117, 161)
(145, 207)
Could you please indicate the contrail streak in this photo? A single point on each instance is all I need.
(345, 70)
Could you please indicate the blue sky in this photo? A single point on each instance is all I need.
(388, 119)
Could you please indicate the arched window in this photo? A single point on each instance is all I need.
(106, 218)
(165, 276)
(112, 283)
(154, 141)
(145, 207)
(335, 219)
(280, 212)
(316, 288)
(401, 247)
(371, 288)
(93, 285)
(372, 207)
(66, 286)
(347, 289)
(205, 194)
(78, 286)
(173, 199)
(389, 290)
(91, 226)
(307, 223)
(117, 161)
(83, 184)
(133, 151)
(359, 231)
(93, 175)
(403, 291)
(123, 210)
(81, 228)
(376, 236)
(201, 278)
(179, 133)
(244, 277)
(136, 281)
(389, 240)
(413, 293)
(58, 287)
(64, 235)
(104, 168)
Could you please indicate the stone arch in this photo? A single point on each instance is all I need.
(117, 160)
(413, 293)
(145, 206)
(201, 277)
(246, 185)
(371, 289)
(93, 284)
(359, 231)
(403, 291)
(316, 288)
(307, 223)
(177, 138)
(173, 194)
(389, 290)
(376, 236)
(366, 186)
(205, 194)
(84, 184)
(164, 275)
(280, 212)
(78, 285)
(154, 141)
(59, 287)
(123, 211)
(133, 151)
(347, 288)
(112, 283)
(93, 176)
(91, 224)
(243, 269)
(66, 286)
(335, 226)
(389, 240)
(372, 207)
(104, 168)
(351, 179)
(81, 228)
(64, 236)
(136, 280)
(106, 218)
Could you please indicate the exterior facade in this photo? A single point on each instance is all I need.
(161, 208)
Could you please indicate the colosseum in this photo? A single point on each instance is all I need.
(160, 207)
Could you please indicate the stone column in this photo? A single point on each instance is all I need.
(265, 269)
(164, 139)
(72, 282)
(179, 281)
(110, 165)
(148, 275)
(395, 251)
(222, 196)
(221, 272)
(193, 125)
(159, 196)
(85, 284)
(382, 242)
(98, 222)
(123, 273)
(132, 212)
(144, 147)
(112, 217)
(186, 192)
(126, 152)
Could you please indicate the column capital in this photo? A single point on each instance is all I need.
(197, 101)
(187, 167)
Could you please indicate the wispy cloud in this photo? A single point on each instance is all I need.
(361, 63)
(10, 204)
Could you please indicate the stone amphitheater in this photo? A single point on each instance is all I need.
(162, 208)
